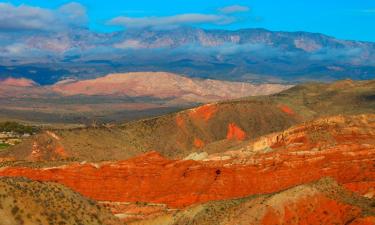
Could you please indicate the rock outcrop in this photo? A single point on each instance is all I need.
(322, 202)
(339, 147)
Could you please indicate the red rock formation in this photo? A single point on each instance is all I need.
(286, 109)
(323, 202)
(198, 143)
(204, 112)
(235, 133)
(366, 188)
(364, 221)
(315, 209)
(296, 156)
(47, 147)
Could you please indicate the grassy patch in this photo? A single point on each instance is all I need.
(3, 146)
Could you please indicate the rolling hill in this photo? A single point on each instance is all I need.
(116, 97)
(150, 185)
(29, 202)
(321, 202)
(209, 128)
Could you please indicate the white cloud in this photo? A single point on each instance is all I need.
(24, 17)
(234, 9)
(171, 21)
(74, 13)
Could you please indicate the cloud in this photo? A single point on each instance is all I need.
(234, 9)
(74, 13)
(30, 18)
(171, 21)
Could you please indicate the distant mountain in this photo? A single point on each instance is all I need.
(242, 55)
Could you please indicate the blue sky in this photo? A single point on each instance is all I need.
(345, 19)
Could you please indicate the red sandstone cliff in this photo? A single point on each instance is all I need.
(338, 147)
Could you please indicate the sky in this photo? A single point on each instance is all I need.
(344, 19)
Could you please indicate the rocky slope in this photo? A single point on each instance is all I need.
(322, 202)
(211, 128)
(28, 202)
(341, 147)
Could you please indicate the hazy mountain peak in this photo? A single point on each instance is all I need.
(19, 82)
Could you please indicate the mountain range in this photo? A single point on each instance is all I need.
(256, 55)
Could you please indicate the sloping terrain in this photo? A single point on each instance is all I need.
(321, 202)
(116, 97)
(165, 85)
(341, 147)
(28, 202)
(151, 189)
(211, 128)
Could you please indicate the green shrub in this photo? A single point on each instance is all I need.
(17, 128)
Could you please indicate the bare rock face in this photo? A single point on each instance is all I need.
(340, 147)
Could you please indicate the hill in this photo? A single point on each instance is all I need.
(29, 202)
(321, 202)
(211, 128)
(341, 147)
(161, 85)
(116, 97)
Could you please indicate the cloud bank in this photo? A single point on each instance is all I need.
(29, 18)
(171, 21)
(234, 9)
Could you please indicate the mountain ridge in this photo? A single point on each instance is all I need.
(256, 55)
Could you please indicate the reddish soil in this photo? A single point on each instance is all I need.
(340, 147)
(235, 133)
(286, 109)
(364, 221)
(180, 121)
(198, 143)
(366, 188)
(205, 112)
(316, 209)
